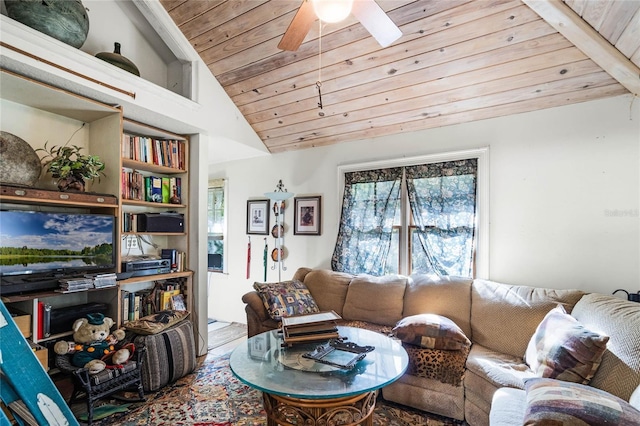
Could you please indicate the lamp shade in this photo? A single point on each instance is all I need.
(332, 10)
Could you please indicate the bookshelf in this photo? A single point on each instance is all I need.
(154, 180)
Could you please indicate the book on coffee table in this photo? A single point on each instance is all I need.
(310, 327)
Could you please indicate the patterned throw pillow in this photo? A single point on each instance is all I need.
(562, 348)
(285, 299)
(431, 331)
(555, 402)
(155, 323)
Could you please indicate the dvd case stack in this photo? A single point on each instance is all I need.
(71, 285)
(103, 280)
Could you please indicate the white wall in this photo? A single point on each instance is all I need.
(564, 198)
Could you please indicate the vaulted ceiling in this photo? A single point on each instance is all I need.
(457, 61)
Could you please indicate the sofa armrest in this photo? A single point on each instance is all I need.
(254, 301)
(508, 407)
(258, 319)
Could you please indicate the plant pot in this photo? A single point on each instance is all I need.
(71, 184)
(64, 20)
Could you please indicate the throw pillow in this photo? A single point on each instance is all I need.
(562, 348)
(555, 402)
(155, 323)
(431, 331)
(287, 298)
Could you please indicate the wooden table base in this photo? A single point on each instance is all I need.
(347, 411)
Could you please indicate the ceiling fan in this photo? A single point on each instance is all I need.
(370, 15)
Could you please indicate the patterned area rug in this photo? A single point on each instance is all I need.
(227, 334)
(212, 396)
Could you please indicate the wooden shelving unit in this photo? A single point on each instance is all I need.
(104, 125)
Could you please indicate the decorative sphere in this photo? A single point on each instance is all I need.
(19, 163)
(65, 20)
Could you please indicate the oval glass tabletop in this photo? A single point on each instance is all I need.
(264, 364)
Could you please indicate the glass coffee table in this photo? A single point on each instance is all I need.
(297, 390)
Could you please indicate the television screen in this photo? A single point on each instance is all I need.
(53, 242)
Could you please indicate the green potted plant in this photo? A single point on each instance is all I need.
(71, 167)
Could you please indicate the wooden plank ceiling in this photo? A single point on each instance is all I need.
(457, 61)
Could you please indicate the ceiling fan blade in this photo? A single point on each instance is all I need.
(376, 21)
(299, 27)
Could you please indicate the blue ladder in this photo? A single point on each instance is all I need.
(25, 387)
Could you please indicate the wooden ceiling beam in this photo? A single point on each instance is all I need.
(584, 37)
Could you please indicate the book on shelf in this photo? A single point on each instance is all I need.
(178, 303)
(136, 307)
(166, 188)
(165, 302)
(132, 305)
(156, 189)
(125, 306)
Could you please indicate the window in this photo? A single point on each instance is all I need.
(216, 225)
(421, 217)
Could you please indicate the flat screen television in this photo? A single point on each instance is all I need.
(38, 248)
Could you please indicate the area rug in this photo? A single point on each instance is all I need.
(224, 335)
(213, 396)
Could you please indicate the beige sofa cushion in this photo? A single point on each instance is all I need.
(497, 369)
(504, 317)
(619, 371)
(328, 288)
(375, 299)
(434, 295)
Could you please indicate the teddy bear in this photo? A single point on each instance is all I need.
(94, 344)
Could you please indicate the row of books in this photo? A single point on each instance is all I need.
(177, 258)
(162, 152)
(164, 296)
(154, 189)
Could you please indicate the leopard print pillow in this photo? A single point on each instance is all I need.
(444, 366)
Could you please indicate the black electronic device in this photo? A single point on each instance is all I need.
(143, 267)
(161, 222)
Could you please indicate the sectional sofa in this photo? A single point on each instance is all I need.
(498, 319)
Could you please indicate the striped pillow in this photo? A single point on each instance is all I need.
(554, 402)
(563, 349)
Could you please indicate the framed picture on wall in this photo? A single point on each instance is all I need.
(258, 217)
(307, 216)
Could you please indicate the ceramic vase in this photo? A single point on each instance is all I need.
(118, 60)
(64, 20)
(19, 163)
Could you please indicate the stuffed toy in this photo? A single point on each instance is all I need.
(93, 344)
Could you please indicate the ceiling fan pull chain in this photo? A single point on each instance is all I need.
(319, 86)
(319, 82)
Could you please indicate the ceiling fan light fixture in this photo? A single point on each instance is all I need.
(332, 11)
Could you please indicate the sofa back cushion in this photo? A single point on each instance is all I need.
(328, 288)
(504, 317)
(619, 371)
(375, 299)
(446, 296)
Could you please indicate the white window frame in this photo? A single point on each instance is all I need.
(481, 265)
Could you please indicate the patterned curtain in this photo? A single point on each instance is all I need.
(371, 200)
(443, 206)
